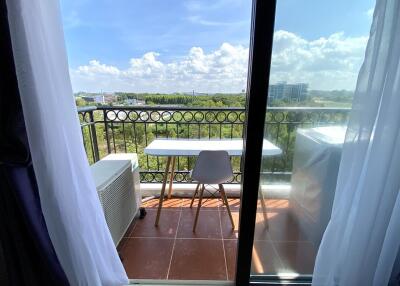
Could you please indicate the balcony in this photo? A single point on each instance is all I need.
(130, 129)
(173, 251)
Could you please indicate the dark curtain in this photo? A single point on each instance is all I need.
(27, 256)
(395, 277)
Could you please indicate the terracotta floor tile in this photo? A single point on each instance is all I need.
(121, 244)
(167, 226)
(150, 204)
(281, 247)
(208, 224)
(262, 227)
(227, 231)
(131, 227)
(273, 205)
(264, 259)
(173, 203)
(297, 257)
(234, 204)
(230, 246)
(277, 204)
(147, 258)
(207, 204)
(186, 203)
(284, 227)
(198, 259)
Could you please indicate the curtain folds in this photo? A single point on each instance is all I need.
(27, 255)
(70, 205)
(362, 239)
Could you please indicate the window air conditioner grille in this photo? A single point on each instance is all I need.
(118, 201)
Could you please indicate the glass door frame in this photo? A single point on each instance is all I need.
(262, 31)
(261, 42)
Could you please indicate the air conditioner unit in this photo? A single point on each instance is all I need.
(118, 186)
(316, 163)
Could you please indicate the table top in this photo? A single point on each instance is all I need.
(192, 147)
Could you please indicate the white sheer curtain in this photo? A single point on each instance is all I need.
(68, 196)
(362, 239)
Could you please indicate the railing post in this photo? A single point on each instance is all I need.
(94, 137)
(106, 130)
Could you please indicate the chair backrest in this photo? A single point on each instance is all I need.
(212, 167)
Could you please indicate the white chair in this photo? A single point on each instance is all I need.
(212, 168)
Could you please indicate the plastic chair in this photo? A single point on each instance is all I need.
(212, 168)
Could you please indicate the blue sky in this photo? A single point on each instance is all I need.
(103, 36)
(115, 31)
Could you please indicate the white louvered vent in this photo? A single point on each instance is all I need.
(118, 191)
(118, 204)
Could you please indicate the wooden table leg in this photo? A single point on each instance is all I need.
(264, 207)
(171, 180)
(163, 190)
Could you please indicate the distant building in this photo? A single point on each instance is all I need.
(134, 101)
(288, 92)
(100, 98)
(108, 98)
(94, 98)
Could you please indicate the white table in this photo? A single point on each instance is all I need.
(171, 148)
(192, 147)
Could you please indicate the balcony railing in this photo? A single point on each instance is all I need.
(130, 129)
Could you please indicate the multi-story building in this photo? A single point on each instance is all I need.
(100, 98)
(96, 98)
(288, 92)
(134, 101)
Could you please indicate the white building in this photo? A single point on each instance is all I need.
(289, 92)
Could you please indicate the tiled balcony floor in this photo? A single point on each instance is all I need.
(173, 251)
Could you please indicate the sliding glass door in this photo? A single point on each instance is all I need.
(299, 100)
(186, 82)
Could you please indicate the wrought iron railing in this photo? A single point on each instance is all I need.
(130, 129)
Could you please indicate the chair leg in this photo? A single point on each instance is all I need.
(194, 195)
(225, 200)
(198, 208)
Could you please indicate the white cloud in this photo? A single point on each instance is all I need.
(224, 69)
(95, 68)
(325, 63)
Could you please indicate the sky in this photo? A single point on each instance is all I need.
(180, 46)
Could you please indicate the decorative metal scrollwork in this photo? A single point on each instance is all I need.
(130, 129)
